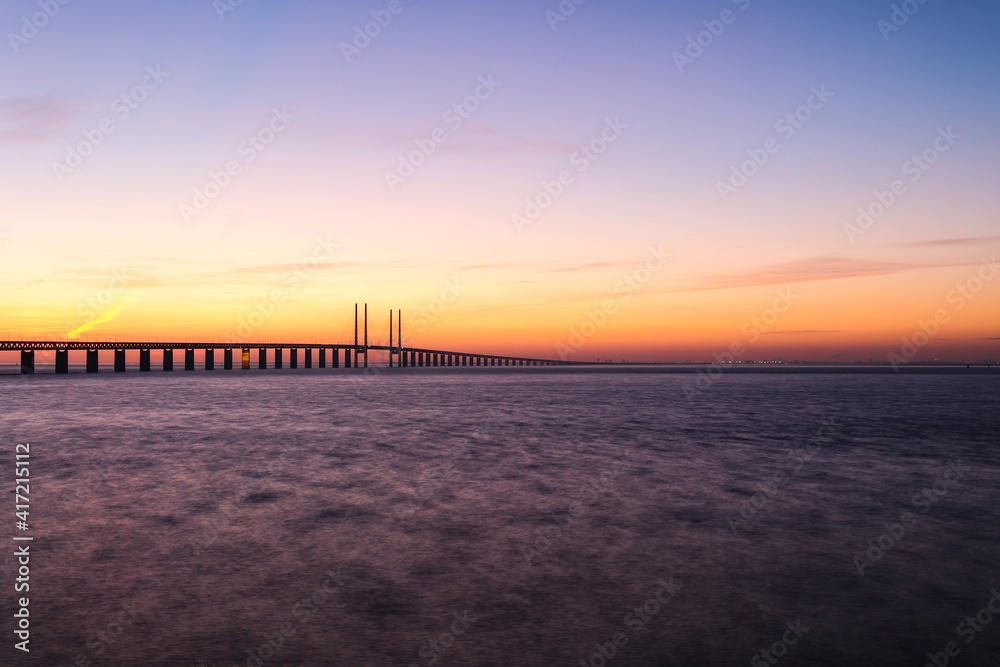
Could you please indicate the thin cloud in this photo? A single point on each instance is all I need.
(545, 267)
(26, 120)
(800, 331)
(973, 240)
(805, 270)
(558, 146)
(270, 269)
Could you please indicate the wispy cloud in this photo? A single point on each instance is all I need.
(801, 331)
(25, 120)
(805, 270)
(546, 267)
(276, 269)
(557, 146)
(974, 240)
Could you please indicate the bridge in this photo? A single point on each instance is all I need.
(350, 354)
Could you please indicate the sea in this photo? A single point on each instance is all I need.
(443, 517)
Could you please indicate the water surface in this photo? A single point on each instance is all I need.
(505, 518)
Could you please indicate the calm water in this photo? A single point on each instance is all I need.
(446, 518)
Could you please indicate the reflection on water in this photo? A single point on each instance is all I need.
(534, 518)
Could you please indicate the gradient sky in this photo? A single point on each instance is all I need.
(115, 221)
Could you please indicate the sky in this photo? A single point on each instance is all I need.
(646, 181)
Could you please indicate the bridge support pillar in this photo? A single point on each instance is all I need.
(168, 360)
(119, 361)
(347, 357)
(62, 361)
(246, 359)
(402, 359)
(144, 365)
(335, 358)
(293, 355)
(189, 360)
(227, 359)
(262, 358)
(209, 359)
(277, 357)
(92, 361)
(322, 357)
(27, 362)
(309, 357)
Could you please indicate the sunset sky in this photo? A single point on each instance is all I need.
(172, 168)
